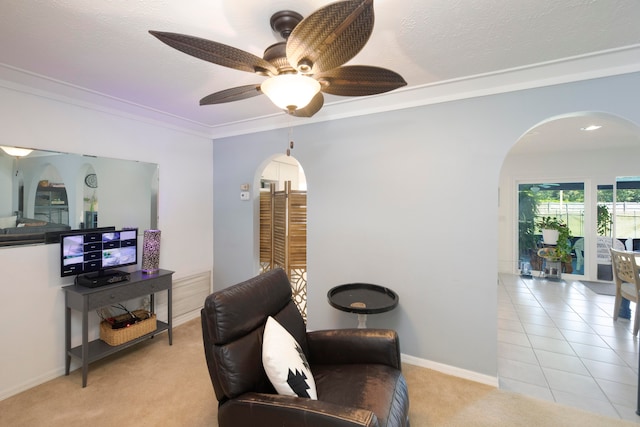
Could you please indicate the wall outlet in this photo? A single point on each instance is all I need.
(245, 195)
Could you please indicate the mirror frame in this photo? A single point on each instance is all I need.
(120, 183)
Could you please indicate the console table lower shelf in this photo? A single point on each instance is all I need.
(85, 299)
(99, 349)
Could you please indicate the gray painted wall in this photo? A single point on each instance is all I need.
(406, 199)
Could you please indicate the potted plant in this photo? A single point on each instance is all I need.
(563, 246)
(528, 241)
(604, 221)
(562, 250)
(550, 227)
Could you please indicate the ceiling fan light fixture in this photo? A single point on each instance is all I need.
(290, 91)
(15, 151)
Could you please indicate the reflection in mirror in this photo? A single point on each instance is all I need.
(90, 198)
(44, 193)
(51, 204)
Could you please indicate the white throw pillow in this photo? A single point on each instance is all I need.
(285, 363)
(9, 221)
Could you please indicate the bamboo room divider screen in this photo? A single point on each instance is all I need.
(283, 238)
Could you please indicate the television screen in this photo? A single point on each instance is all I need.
(95, 251)
(54, 236)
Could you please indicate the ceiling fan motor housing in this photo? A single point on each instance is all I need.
(284, 22)
(277, 55)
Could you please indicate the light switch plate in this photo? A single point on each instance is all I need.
(244, 195)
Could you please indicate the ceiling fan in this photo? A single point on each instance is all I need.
(308, 62)
(537, 187)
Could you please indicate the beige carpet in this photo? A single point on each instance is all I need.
(154, 384)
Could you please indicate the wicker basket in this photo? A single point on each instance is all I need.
(120, 336)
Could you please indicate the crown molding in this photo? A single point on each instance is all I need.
(44, 87)
(566, 70)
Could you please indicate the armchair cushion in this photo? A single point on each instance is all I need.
(285, 363)
(279, 410)
(379, 388)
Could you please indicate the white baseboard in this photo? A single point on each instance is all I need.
(451, 370)
(412, 360)
(179, 320)
(32, 383)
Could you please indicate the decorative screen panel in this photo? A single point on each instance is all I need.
(283, 238)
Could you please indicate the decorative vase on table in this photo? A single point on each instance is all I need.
(151, 251)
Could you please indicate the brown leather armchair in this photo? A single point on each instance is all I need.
(357, 372)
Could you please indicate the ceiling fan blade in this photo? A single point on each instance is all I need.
(313, 107)
(330, 36)
(215, 52)
(359, 80)
(233, 94)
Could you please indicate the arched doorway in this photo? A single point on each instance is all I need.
(556, 338)
(283, 224)
(567, 167)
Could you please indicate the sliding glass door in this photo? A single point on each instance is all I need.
(627, 212)
(604, 231)
(614, 221)
(618, 223)
(563, 201)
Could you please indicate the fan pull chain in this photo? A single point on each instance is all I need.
(290, 140)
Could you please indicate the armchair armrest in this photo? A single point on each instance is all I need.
(343, 346)
(273, 410)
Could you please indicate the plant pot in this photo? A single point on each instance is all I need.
(550, 237)
(567, 267)
(535, 260)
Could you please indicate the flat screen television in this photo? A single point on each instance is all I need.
(92, 253)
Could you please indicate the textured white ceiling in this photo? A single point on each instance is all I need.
(101, 51)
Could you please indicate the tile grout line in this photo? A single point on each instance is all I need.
(513, 291)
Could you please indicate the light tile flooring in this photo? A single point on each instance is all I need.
(558, 341)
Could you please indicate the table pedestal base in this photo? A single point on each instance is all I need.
(553, 270)
(362, 321)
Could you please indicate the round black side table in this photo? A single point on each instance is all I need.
(362, 299)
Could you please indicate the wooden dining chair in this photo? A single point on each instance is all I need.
(627, 278)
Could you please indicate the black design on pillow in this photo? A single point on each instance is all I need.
(298, 383)
(303, 358)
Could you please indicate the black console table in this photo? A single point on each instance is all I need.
(86, 299)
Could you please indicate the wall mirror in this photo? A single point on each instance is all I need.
(44, 193)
